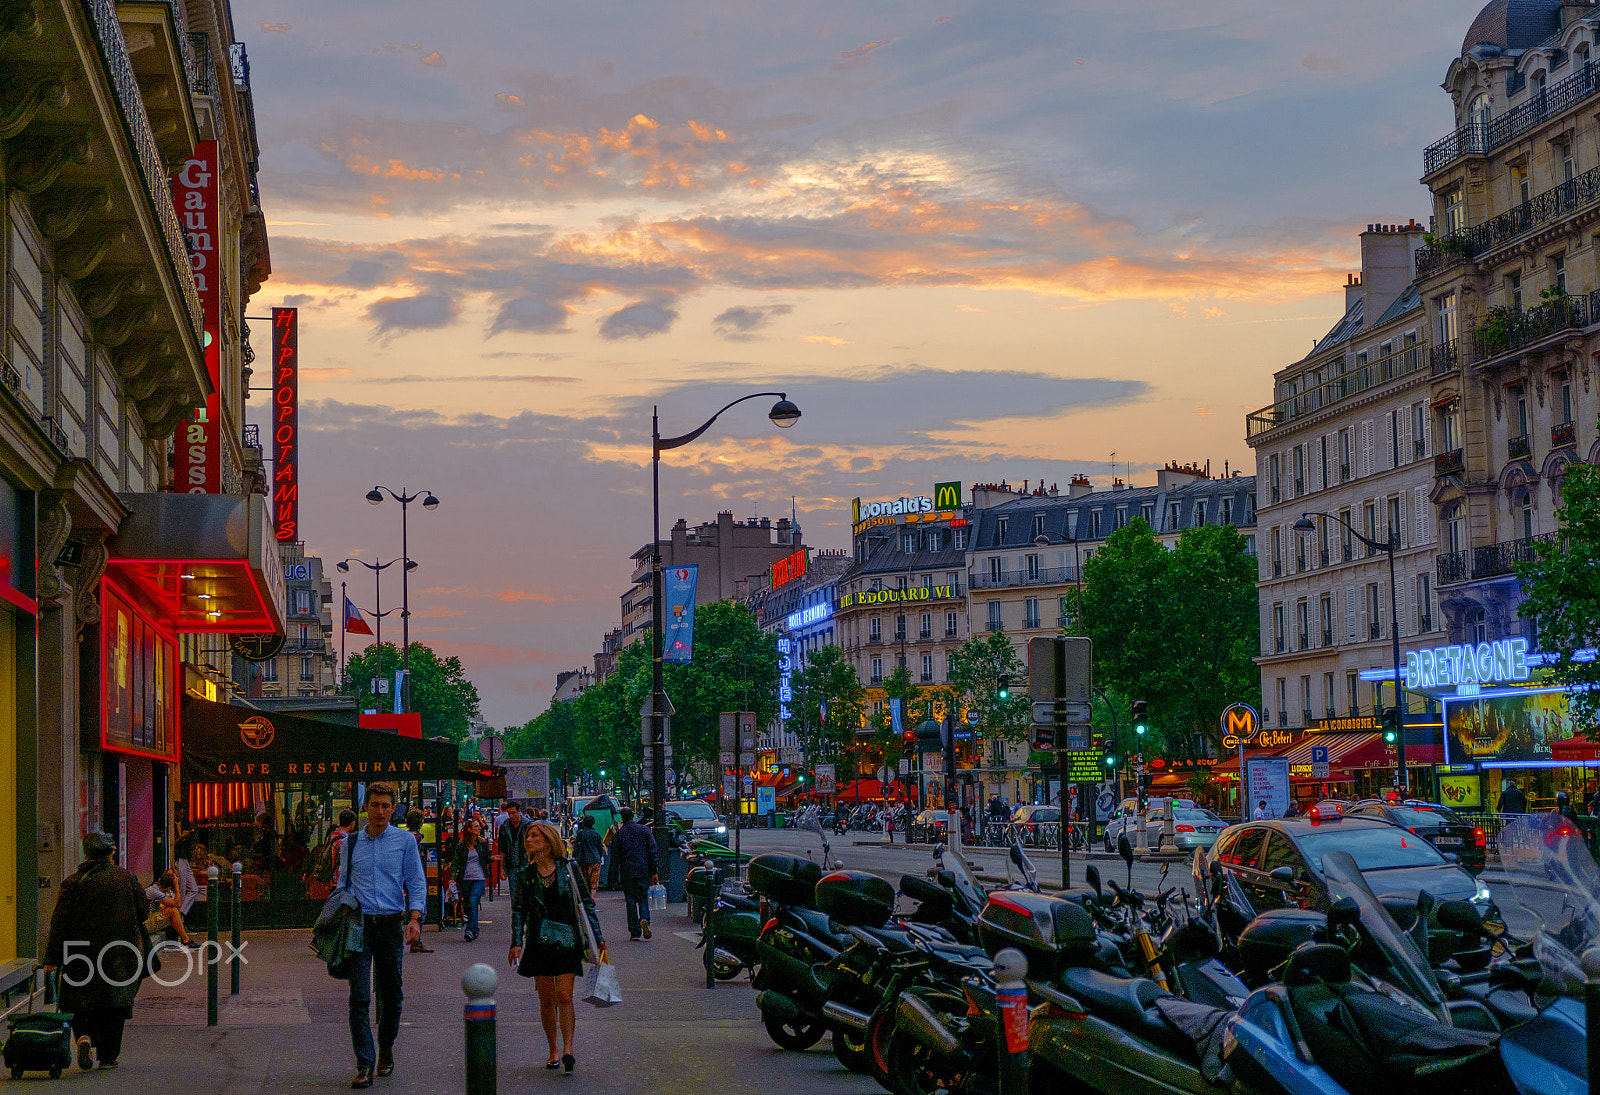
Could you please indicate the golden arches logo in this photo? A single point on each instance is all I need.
(257, 731)
(946, 496)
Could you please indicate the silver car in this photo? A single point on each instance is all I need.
(1192, 828)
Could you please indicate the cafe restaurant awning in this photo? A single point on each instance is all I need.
(223, 743)
(202, 562)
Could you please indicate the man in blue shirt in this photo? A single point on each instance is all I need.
(387, 878)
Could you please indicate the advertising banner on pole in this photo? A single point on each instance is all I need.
(766, 800)
(894, 717)
(825, 778)
(1267, 779)
(678, 638)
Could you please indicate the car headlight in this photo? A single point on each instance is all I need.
(722, 828)
(1482, 897)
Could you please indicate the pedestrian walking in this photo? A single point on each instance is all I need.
(99, 917)
(414, 822)
(387, 880)
(546, 935)
(1261, 810)
(633, 849)
(336, 839)
(470, 868)
(510, 843)
(588, 851)
(1512, 800)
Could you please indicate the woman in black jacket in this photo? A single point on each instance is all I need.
(469, 866)
(551, 897)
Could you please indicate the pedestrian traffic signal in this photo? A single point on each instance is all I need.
(1141, 717)
(1002, 690)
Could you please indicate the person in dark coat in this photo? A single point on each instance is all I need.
(1512, 800)
(633, 849)
(588, 850)
(100, 908)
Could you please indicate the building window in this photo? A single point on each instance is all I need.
(1301, 625)
(1514, 290)
(997, 569)
(1527, 515)
(1566, 399)
(935, 540)
(927, 625)
(1353, 692)
(958, 538)
(1558, 271)
(994, 615)
(1519, 398)
(1449, 329)
(927, 667)
(876, 625)
(1030, 612)
(1000, 524)
(1277, 628)
(1394, 520)
(1227, 511)
(1322, 464)
(269, 670)
(877, 670)
(1033, 568)
(908, 542)
(1147, 512)
(1424, 603)
(1200, 512)
(1344, 456)
(304, 634)
(1305, 701)
(900, 627)
(1419, 430)
(1394, 438)
(1455, 209)
(1094, 524)
(305, 667)
(1327, 695)
(953, 580)
(1038, 525)
(1374, 625)
(1283, 702)
(303, 603)
(1277, 552)
(950, 625)
(1326, 610)
(1172, 510)
(1120, 518)
(1299, 473)
(901, 582)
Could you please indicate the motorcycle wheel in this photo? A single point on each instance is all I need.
(797, 1035)
(726, 969)
(916, 1070)
(878, 1032)
(852, 1050)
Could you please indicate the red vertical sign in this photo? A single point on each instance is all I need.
(286, 423)
(194, 194)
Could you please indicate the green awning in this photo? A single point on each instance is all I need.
(222, 743)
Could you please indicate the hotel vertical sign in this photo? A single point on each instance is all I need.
(285, 423)
(199, 444)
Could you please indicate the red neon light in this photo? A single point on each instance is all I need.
(198, 445)
(285, 422)
(169, 653)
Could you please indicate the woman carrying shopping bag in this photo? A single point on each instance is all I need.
(548, 934)
(469, 870)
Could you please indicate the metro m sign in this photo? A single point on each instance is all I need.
(286, 423)
(1239, 725)
(197, 450)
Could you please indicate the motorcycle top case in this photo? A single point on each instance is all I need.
(1052, 933)
(1270, 938)
(786, 879)
(856, 898)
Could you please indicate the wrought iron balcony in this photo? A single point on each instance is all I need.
(1481, 138)
(1347, 383)
(1277, 568)
(996, 625)
(1518, 448)
(1419, 449)
(1563, 434)
(1306, 715)
(1493, 560)
(1327, 637)
(1508, 330)
(1305, 641)
(1425, 624)
(1505, 228)
(1452, 567)
(1278, 642)
(1444, 359)
(1448, 463)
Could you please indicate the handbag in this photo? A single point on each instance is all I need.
(557, 936)
(600, 986)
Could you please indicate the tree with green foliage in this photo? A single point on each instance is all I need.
(974, 684)
(1562, 589)
(914, 700)
(440, 690)
(829, 704)
(1178, 628)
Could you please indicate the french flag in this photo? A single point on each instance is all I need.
(354, 622)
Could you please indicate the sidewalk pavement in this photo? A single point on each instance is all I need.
(287, 1031)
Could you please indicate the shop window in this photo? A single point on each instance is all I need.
(139, 680)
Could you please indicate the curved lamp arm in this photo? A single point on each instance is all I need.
(1381, 545)
(663, 443)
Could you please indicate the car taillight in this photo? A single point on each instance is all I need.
(769, 925)
(1185, 828)
(1479, 838)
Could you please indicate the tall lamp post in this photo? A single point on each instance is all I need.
(1077, 576)
(377, 587)
(429, 502)
(783, 415)
(1305, 524)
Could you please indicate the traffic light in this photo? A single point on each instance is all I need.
(1002, 688)
(1391, 725)
(1141, 716)
(1111, 761)
(801, 778)
(908, 742)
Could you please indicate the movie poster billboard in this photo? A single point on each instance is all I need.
(1518, 727)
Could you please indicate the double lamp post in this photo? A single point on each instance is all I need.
(402, 702)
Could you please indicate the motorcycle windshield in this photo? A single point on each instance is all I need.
(967, 886)
(1408, 969)
(1555, 879)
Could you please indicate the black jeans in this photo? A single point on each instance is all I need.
(104, 1030)
(380, 967)
(637, 900)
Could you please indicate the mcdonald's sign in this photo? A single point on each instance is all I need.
(946, 496)
(1240, 721)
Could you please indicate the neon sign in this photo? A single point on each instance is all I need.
(286, 422)
(1468, 666)
(807, 616)
(785, 680)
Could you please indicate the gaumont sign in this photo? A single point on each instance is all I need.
(197, 450)
(899, 596)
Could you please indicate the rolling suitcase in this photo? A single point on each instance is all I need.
(38, 1042)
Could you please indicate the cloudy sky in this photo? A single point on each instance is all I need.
(972, 241)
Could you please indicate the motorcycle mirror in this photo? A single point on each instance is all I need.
(1281, 874)
(1426, 903)
(1343, 913)
(1125, 849)
(1459, 916)
(1091, 875)
(947, 879)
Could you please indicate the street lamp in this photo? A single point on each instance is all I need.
(1305, 524)
(1042, 540)
(377, 586)
(429, 502)
(783, 415)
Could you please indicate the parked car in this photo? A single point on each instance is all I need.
(1130, 819)
(1278, 864)
(1030, 821)
(1438, 824)
(1191, 828)
(932, 826)
(698, 820)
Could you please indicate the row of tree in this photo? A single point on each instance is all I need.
(1176, 627)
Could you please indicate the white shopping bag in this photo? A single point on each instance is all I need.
(600, 986)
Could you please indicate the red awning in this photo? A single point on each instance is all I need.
(1574, 748)
(866, 790)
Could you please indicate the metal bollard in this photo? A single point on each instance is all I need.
(1010, 971)
(710, 935)
(479, 983)
(212, 946)
(238, 921)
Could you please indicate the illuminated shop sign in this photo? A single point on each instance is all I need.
(807, 616)
(896, 596)
(898, 508)
(286, 423)
(789, 568)
(197, 449)
(1469, 666)
(785, 680)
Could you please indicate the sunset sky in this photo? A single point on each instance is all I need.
(971, 241)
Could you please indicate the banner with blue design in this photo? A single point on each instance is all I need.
(678, 638)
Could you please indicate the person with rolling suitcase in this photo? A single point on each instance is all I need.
(98, 943)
